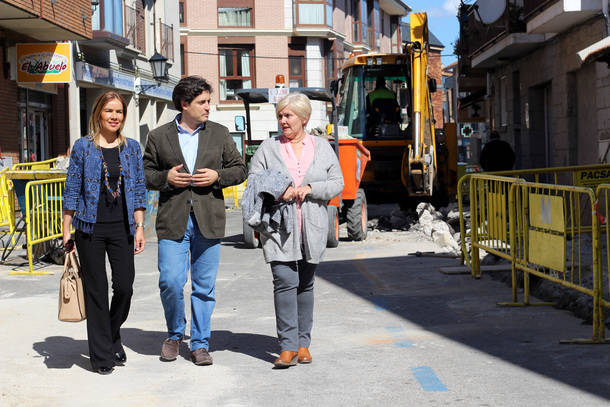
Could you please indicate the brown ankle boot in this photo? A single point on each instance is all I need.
(287, 358)
(304, 355)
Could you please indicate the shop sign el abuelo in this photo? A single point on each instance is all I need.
(44, 63)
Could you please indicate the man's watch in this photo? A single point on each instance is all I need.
(139, 225)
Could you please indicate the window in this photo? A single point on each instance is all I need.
(236, 71)
(296, 63)
(395, 34)
(359, 18)
(108, 17)
(297, 71)
(181, 12)
(315, 12)
(234, 17)
(330, 63)
(235, 13)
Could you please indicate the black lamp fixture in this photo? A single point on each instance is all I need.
(158, 64)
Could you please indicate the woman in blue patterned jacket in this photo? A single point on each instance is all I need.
(104, 200)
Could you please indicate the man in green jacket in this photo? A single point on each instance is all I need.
(189, 160)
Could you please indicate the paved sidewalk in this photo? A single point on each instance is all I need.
(389, 329)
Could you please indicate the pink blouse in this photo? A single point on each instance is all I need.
(298, 166)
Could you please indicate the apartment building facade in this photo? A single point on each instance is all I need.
(34, 116)
(537, 72)
(126, 34)
(245, 43)
(111, 42)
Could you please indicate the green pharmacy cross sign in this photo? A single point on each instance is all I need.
(466, 130)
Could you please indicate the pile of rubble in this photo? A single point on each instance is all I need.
(439, 225)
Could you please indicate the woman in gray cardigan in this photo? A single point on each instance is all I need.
(293, 254)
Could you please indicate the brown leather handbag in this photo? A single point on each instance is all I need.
(71, 293)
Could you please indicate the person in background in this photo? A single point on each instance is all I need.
(497, 155)
(189, 160)
(294, 254)
(104, 200)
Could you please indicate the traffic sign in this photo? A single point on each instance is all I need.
(466, 130)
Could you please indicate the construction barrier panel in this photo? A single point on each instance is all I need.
(7, 203)
(235, 193)
(36, 165)
(582, 175)
(551, 239)
(44, 214)
(603, 213)
(489, 217)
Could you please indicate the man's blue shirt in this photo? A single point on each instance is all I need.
(189, 142)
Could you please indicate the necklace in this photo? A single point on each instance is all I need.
(117, 192)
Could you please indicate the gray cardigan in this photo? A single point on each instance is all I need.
(326, 181)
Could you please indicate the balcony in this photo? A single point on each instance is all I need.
(166, 40)
(558, 15)
(487, 45)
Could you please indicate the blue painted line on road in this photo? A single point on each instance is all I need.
(394, 329)
(427, 379)
(405, 343)
(380, 302)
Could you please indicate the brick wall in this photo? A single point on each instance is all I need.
(9, 141)
(435, 71)
(66, 14)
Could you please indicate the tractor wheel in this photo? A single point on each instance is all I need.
(357, 217)
(333, 227)
(250, 236)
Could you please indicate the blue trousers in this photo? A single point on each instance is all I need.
(202, 256)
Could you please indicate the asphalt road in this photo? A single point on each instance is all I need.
(389, 329)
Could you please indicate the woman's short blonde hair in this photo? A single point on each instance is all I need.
(298, 103)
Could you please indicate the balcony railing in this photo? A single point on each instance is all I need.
(532, 6)
(166, 39)
(131, 29)
(474, 35)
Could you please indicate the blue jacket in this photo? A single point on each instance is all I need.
(82, 190)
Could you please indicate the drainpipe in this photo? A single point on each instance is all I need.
(606, 16)
(41, 8)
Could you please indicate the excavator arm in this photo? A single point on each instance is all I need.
(419, 158)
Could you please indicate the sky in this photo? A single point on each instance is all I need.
(442, 22)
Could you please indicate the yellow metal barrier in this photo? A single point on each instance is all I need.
(44, 214)
(36, 165)
(603, 214)
(235, 192)
(551, 239)
(581, 175)
(489, 217)
(7, 205)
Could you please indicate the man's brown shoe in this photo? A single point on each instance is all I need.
(201, 357)
(287, 358)
(304, 355)
(169, 349)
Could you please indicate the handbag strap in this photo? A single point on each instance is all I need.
(74, 260)
(71, 262)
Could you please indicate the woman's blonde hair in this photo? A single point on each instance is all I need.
(94, 120)
(298, 103)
